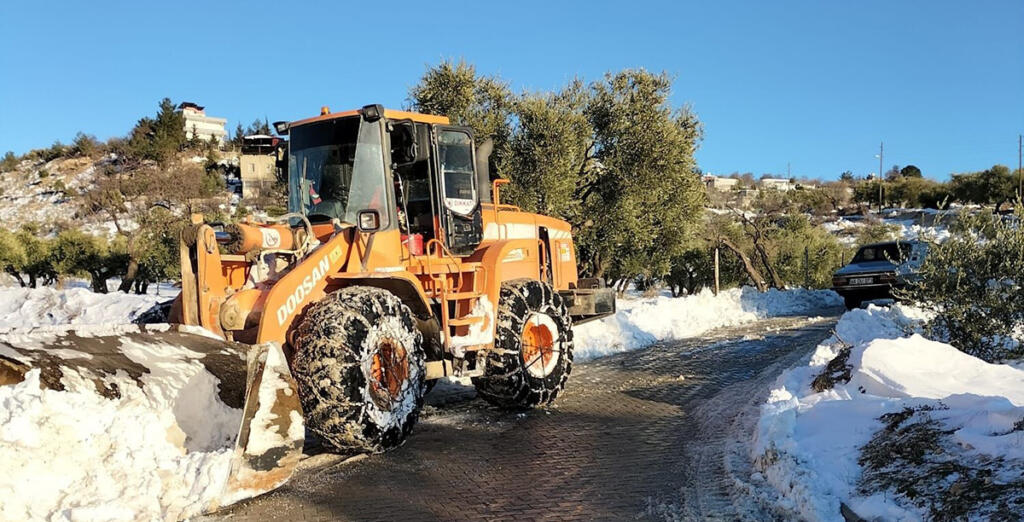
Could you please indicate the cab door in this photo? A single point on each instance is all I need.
(458, 195)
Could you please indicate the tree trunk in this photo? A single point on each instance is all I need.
(98, 283)
(17, 276)
(129, 276)
(598, 265)
(621, 285)
(32, 280)
(772, 273)
(748, 265)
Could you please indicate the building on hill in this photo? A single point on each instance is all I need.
(204, 127)
(780, 184)
(258, 164)
(719, 183)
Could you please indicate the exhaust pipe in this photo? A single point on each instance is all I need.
(483, 174)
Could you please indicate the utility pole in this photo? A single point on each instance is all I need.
(716, 271)
(1020, 171)
(881, 155)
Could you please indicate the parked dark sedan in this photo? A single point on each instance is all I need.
(877, 269)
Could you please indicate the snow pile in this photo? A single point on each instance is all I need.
(642, 322)
(45, 306)
(910, 224)
(809, 445)
(162, 451)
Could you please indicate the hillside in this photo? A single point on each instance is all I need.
(48, 194)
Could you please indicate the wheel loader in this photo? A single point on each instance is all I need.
(396, 265)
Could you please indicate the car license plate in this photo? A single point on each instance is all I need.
(862, 280)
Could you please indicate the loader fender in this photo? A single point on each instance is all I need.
(304, 284)
(507, 260)
(409, 290)
(401, 283)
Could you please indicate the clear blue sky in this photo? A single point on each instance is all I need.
(811, 83)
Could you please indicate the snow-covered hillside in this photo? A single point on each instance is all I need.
(903, 428)
(42, 193)
(47, 194)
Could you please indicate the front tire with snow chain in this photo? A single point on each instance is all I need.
(532, 355)
(360, 365)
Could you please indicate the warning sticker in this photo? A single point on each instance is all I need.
(271, 238)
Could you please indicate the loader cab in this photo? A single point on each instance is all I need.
(436, 184)
(336, 170)
(417, 172)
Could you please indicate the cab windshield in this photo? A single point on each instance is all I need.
(336, 169)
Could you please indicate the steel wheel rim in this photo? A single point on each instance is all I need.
(538, 345)
(389, 370)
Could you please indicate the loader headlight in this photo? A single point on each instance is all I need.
(281, 127)
(369, 220)
(372, 113)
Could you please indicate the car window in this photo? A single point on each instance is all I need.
(895, 253)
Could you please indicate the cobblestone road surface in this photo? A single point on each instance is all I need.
(658, 433)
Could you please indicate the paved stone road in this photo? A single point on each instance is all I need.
(637, 435)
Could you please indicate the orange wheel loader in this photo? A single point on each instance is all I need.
(396, 265)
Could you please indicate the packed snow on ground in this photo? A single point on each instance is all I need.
(910, 224)
(807, 444)
(44, 306)
(162, 451)
(640, 322)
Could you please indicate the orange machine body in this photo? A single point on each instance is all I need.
(256, 292)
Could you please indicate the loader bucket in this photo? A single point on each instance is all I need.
(225, 396)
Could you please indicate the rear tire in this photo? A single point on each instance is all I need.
(852, 303)
(533, 347)
(359, 365)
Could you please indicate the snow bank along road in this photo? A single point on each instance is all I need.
(660, 433)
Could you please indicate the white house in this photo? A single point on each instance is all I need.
(719, 183)
(258, 165)
(198, 124)
(776, 183)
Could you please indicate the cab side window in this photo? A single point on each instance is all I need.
(455, 151)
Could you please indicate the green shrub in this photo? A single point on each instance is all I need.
(804, 254)
(877, 232)
(76, 253)
(276, 210)
(974, 284)
(84, 145)
(9, 162)
(27, 257)
(694, 270)
(43, 173)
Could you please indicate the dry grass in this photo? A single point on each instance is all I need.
(914, 456)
